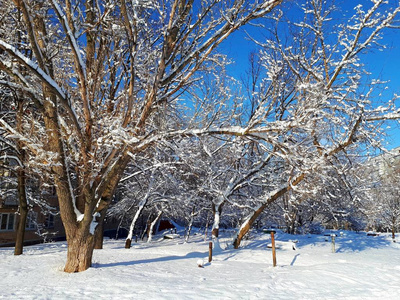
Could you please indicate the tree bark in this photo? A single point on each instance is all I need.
(190, 225)
(21, 178)
(247, 225)
(146, 231)
(128, 240)
(23, 213)
(76, 189)
(394, 229)
(99, 233)
(217, 210)
(150, 234)
(80, 251)
(253, 217)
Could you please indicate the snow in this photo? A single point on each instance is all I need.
(71, 36)
(363, 267)
(32, 65)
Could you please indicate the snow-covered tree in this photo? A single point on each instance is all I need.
(101, 74)
(319, 100)
(12, 155)
(382, 202)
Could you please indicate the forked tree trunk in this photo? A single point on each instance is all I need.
(79, 256)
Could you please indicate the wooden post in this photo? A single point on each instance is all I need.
(273, 249)
(333, 243)
(210, 251)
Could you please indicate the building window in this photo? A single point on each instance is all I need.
(7, 221)
(31, 220)
(49, 222)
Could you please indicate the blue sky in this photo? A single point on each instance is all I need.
(384, 65)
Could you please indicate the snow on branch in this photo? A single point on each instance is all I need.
(45, 78)
(14, 157)
(355, 46)
(71, 38)
(35, 68)
(16, 134)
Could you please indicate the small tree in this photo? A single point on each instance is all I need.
(383, 202)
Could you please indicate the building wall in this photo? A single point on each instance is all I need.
(39, 227)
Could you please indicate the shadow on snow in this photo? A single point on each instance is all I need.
(349, 242)
(190, 255)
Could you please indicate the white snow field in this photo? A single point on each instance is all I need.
(363, 267)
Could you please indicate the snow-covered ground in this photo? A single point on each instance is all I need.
(363, 267)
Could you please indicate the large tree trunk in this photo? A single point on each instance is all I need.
(75, 260)
(80, 251)
(76, 224)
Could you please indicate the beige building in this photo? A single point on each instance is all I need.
(40, 226)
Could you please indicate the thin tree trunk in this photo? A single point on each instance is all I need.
(153, 224)
(23, 213)
(190, 225)
(247, 225)
(256, 213)
(206, 229)
(99, 233)
(128, 240)
(144, 232)
(393, 233)
(119, 227)
(394, 229)
(21, 178)
(217, 210)
(147, 229)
